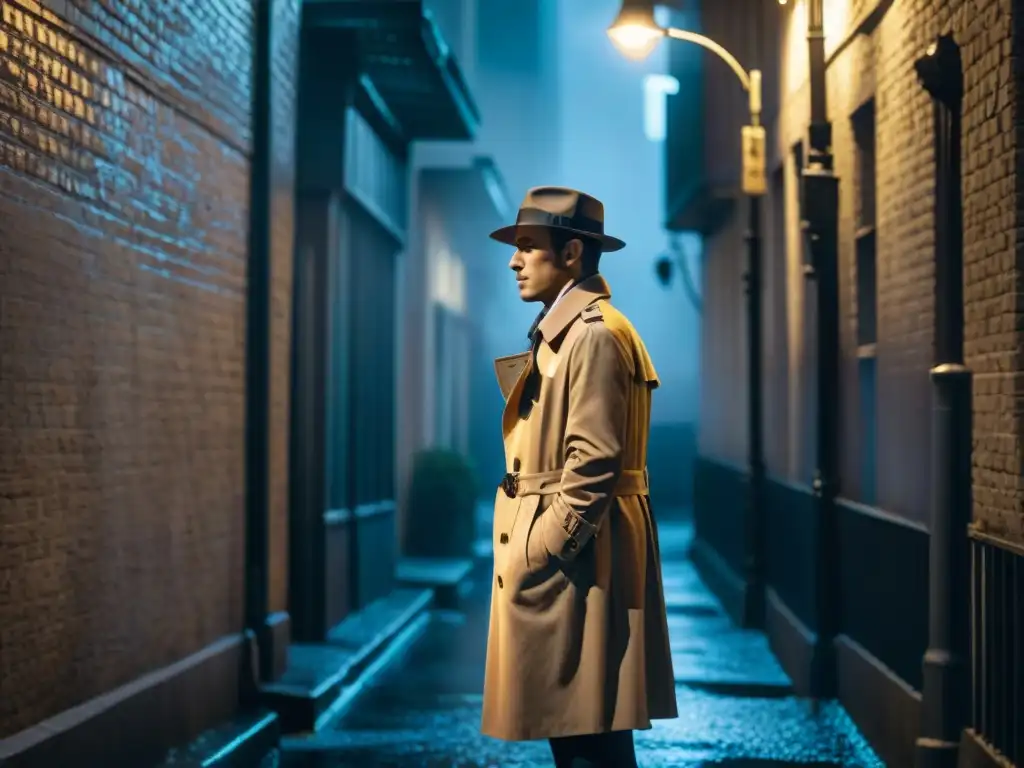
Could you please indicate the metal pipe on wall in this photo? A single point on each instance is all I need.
(257, 350)
(945, 690)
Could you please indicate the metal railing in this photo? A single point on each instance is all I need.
(997, 644)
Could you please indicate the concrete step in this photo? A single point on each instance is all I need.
(323, 679)
(448, 577)
(246, 741)
(483, 549)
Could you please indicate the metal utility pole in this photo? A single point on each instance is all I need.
(636, 32)
(821, 220)
(755, 186)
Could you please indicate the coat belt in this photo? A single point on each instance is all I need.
(632, 482)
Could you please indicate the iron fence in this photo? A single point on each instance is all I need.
(997, 644)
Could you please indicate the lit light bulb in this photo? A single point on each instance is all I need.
(635, 40)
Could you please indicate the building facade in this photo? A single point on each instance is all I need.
(891, 152)
(136, 199)
(455, 315)
(394, 81)
(199, 222)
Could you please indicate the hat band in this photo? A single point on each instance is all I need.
(537, 218)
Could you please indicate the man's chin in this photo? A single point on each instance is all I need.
(525, 294)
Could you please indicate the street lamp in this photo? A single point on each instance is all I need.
(636, 34)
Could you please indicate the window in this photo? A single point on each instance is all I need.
(657, 89)
(444, 408)
(866, 267)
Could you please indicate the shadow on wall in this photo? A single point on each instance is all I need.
(670, 455)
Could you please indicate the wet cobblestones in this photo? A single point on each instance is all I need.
(735, 704)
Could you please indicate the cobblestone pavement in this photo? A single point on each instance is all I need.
(734, 701)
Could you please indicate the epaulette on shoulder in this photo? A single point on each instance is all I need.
(592, 313)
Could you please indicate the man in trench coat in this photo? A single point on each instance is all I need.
(578, 648)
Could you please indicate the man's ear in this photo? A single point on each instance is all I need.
(572, 254)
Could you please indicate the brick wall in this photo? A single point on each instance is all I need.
(874, 59)
(124, 133)
(993, 206)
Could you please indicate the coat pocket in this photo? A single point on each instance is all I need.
(531, 567)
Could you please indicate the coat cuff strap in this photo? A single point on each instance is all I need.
(565, 532)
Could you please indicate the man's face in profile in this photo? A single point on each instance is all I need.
(540, 271)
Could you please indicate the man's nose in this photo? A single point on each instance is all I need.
(516, 262)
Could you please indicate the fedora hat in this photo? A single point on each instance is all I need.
(568, 210)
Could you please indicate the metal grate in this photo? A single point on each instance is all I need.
(997, 644)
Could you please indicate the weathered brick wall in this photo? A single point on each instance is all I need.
(878, 64)
(990, 35)
(284, 99)
(876, 61)
(124, 133)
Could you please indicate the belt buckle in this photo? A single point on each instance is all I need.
(510, 484)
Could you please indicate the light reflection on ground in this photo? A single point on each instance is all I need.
(734, 701)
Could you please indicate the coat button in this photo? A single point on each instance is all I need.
(500, 585)
(573, 544)
(503, 538)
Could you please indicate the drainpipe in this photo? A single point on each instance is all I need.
(257, 378)
(945, 690)
(821, 219)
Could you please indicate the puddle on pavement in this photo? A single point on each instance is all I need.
(696, 611)
(741, 689)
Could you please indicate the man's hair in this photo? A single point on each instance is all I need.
(591, 257)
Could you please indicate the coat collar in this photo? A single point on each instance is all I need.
(568, 308)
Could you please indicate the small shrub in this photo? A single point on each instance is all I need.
(441, 520)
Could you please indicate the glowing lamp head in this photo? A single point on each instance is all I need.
(635, 32)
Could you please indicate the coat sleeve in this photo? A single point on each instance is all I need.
(599, 384)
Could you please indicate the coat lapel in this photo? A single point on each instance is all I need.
(509, 369)
(562, 315)
(552, 325)
(510, 415)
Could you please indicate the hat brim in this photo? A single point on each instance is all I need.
(508, 235)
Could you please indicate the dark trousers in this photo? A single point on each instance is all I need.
(599, 750)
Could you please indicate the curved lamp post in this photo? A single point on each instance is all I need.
(636, 34)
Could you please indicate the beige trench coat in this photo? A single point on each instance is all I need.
(578, 639)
